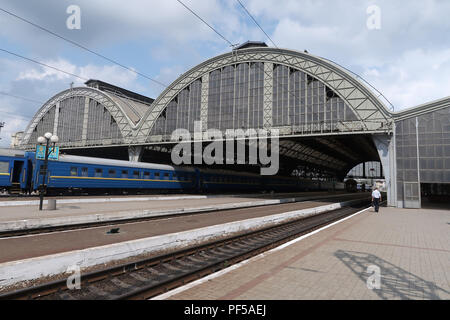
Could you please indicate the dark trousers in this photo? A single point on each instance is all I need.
(376, 203)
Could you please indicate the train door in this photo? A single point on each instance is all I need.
(16, 175)
(17, 171)
(27, 176)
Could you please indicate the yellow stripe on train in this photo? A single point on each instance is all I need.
(120, 179)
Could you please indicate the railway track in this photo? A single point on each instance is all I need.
(147, 278)
(112, 223)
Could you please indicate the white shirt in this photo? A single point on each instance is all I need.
(376, 194)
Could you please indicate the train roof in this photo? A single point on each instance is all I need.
(121, 163)
(12, 153)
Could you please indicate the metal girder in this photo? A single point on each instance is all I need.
(370, 111)
(302, 152)
(123, 122)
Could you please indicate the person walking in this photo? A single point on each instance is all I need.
(376, 199)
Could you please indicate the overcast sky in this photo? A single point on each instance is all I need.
(407, 58)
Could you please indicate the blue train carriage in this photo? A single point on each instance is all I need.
(217, 180)
(87, 174)
(281, 183)
(14, 173)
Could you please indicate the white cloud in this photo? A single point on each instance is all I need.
(407, 59)
(41, 83)
(416, 77)
(109, 73)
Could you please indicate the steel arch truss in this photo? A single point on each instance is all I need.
(372, 115)
(124, 124)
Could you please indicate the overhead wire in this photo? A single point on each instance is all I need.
(19, 97)
(201, 19)
(230, 43)
(82, 47)
(256, 22)
(22, 98)
(43, 64)
(355, 74)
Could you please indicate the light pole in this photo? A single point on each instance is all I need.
(47, 138)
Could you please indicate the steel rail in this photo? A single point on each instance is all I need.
(148, 277)
(79, 226)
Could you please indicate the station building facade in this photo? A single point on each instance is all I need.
(328, 120)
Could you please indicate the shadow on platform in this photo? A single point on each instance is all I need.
(395, 281)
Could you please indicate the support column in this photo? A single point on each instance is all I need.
(85, 120)
(55, 123)
(135, 153)
(386, 150)
(364, 170)
(204, 102)
(268, 95)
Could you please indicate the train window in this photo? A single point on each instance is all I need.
(4, 167)
(174, 176)
(166, 176)
(73, 171)
(135, 174)
(146, 175)
(156, 175)
(84, 172)
(124, 174)
(112, 173)
(98, 172)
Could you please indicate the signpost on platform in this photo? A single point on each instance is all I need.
(45, 152)
(53, 153)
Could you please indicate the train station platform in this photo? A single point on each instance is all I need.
(409, 248)
(25, 214)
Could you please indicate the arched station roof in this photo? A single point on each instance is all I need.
(367, 112)
(84, 116)
(315, 104)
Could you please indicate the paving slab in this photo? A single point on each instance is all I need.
(93, 210)
(408, 248)
(32, 257)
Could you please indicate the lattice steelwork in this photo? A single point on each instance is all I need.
(45, 124)
(101, 125)
(423, 153)
(337, 101)
(70, 119)
(297, 93)
(100, 122)
(434, 146)
(181, 112)
(236, 101)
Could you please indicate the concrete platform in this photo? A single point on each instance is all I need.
(20, 215)
(33, 257)
(411, 248)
